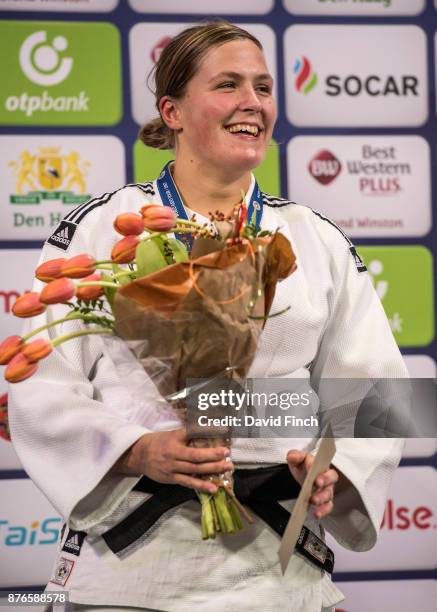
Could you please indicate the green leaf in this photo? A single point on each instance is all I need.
(149, 256)
(179, 249)
(121, 280)
(109, 291)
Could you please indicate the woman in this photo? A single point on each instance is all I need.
(85, 440)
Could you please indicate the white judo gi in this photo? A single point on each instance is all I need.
(89, 402)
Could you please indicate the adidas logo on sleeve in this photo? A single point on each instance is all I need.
(73, 542)
(63, 235)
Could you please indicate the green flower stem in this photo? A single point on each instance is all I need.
(99, 283)
(207, 518)
(224, 516)
(83, 332)
(235, 513)
(70, 317)
(124, 273)
(103, 266)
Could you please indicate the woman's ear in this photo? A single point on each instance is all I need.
(170, 112)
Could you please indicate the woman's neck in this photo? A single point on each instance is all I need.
(205, 192)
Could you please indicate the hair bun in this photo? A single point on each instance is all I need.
(157, 134)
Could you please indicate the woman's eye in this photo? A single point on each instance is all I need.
(264, 89)
(227, 85)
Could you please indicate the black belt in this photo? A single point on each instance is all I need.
(260, 489)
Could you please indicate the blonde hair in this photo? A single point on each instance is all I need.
(178, 63)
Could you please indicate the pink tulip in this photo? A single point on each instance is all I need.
(19, 369)
(92, 292)
(58, 291)
(9, 348)
(158, 218)
(129, 224)
(79, 266)
(123, 251)
(28, 305)
(36, 350)
(49, 270)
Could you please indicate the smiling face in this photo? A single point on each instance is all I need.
(224, 122)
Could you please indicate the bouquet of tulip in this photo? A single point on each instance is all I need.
(183, 315)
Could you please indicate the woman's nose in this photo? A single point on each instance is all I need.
(249, 99)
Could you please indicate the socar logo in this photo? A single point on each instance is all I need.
(41, 62)
(306, 78)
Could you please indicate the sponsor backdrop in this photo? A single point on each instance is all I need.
(356, 139)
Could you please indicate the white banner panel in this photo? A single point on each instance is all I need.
(351, 75)
(211, 7)
(388, 595)
(408, 538)
(147, 40)
(8, 457)
(29, 531)
(383, 8)
(421, 366)
(64, 6)
(420, 447)
(371, 186)
(43, 177)
(17, 273)
(18, 267)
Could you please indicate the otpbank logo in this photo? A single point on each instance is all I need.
(372, 75)
(59, 73)
(306, 78)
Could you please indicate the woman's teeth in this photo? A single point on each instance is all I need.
(243, 127)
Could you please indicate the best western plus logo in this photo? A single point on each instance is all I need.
(59, 73)
(324, 167)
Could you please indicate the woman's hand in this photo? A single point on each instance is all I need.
(322, 498)
(166, 457)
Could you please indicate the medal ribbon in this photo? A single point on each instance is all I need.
(170, 197)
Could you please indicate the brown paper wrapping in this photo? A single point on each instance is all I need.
(193, 320)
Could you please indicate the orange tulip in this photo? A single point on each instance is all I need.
(49, 270)
(58, 291)
(123, 251)
(158, 218)
(9, 348)
(19, 369)
(92, 292)
(129, 224)
(28, 305)
(36, 350)
(79, 266)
